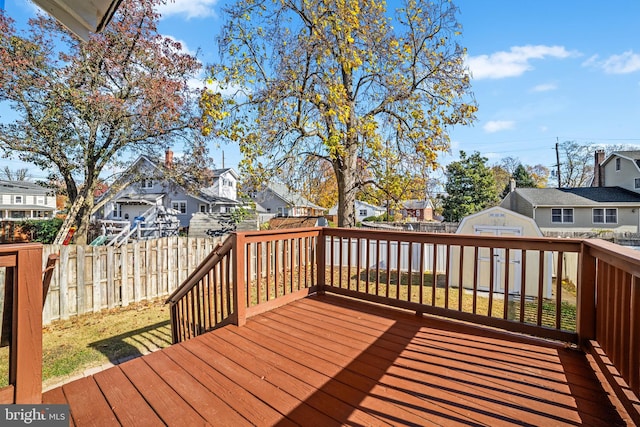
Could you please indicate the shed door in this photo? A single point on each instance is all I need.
(499, 260)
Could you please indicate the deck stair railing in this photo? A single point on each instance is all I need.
(584, 292)
(249, 273)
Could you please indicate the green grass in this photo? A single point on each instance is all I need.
(70, 347)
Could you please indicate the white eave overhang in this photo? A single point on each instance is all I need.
(82, 17)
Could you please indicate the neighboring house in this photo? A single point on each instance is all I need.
(147, 184)
(276, 199)
(619, 169)
(20, 200)
(363, 210)
(584, 209)
(417, 210)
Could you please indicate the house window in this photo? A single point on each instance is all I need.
(605, 216)
(18, 200)
(147, 183)
(618, 163)
(283, 212)
(363, 212)
(203, 208)
(564, 215)
(636, 183)
(40, 200)
(180, 206)
(117, 210)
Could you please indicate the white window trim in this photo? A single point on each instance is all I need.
(604, 215)
(146, 183)
(179, 202)
(18, 197)
(562, 221)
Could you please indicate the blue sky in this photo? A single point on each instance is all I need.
(543, 71)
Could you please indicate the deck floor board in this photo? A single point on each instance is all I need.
(328, 360)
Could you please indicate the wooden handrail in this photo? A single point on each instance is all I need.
(201, 270)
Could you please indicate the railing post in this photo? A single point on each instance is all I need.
(26, 363)
(321, 261)
(239, 285)
(586, 310)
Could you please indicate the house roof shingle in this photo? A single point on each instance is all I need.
(582, 196)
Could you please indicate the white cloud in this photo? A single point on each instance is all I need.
(625, 63)
(183, 46)
(545, 87)
(513, 63)
(498, 125)
(188, 8)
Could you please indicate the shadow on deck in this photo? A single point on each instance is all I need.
(328, 360)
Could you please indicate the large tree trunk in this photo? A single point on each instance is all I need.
(346, 175)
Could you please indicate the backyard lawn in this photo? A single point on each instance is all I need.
(91, 341)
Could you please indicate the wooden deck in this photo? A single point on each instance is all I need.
(326, 360)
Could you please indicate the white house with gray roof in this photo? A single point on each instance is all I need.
(20, 200)
(363, 210)
(585, 209)
(148, 182)
(278, 200)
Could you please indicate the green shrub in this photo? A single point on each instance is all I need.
(43, 230)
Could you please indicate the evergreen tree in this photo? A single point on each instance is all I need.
(470, 187)
(522, 179)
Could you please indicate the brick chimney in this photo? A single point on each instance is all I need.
(598, 171)
(168, 159)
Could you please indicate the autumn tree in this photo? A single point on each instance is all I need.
(470, 187)
(317, 182)
(336, 80)
(84, 106)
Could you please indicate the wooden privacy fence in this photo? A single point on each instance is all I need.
(92, 278)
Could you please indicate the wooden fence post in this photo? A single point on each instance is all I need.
(239, 291)
(586, 315)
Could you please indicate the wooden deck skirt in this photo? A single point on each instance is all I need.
(327, 360)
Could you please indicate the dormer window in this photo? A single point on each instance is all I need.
(146, 183)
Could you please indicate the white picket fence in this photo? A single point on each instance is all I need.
(89, 279)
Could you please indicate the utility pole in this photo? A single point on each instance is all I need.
(558, 163)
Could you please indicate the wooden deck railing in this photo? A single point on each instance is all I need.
(611, 314)
(22, 321)
(249, 273)
(585, 292)
(506, 282)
